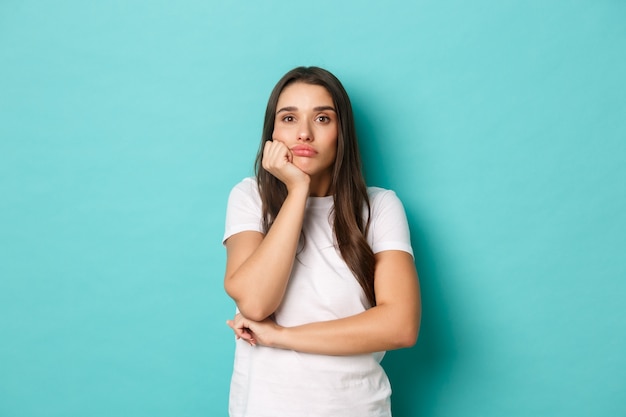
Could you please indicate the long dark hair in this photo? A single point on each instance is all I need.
(349, 190)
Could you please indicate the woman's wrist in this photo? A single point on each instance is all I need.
(300, 188)
(281, 338)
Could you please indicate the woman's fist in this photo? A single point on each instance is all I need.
(278, 161)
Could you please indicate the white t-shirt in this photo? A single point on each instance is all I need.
(269, 382)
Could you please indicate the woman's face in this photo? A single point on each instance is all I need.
(306, 122)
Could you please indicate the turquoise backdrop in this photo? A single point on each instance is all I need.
(124, 124)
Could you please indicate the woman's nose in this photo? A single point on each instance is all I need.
(304, 132)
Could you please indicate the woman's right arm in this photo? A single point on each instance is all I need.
(257, 266)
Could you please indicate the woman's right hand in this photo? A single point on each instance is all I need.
(258, 266)
(278, 161)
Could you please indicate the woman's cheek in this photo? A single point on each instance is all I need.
(276, 134)
(280, 134)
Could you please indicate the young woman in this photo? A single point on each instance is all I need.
(319, 265)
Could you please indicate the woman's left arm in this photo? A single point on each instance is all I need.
(392, 324)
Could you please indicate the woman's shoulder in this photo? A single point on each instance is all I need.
(248, 184)
(377, 194)
(383, 200)
(247, 187)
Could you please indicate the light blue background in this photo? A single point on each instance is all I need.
(124, 124)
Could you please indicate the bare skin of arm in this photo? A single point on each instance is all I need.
(393, 323)
(258, 266)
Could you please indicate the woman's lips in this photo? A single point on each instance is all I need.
(303, 150)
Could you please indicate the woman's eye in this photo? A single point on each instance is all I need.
(323, 119)
(288, 119)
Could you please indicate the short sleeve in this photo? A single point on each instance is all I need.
(244, 211)
(389, 228)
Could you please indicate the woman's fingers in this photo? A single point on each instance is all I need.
(276, 155)
(241, 330)
(278, 161)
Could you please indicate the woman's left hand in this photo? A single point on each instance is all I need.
(254, 332)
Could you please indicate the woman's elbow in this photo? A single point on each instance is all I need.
(251, 308)
(254, 312)
(406, 338)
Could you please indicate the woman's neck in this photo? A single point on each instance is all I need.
(320, 186)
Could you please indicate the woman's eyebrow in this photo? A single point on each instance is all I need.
(289, 108)
(325, 108)
(318, 108)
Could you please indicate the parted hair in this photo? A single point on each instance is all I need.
(351, 213)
